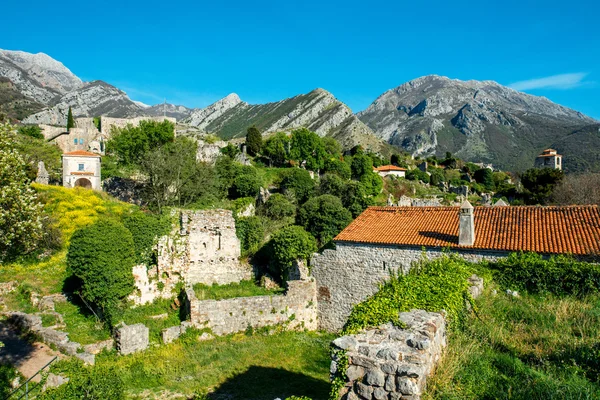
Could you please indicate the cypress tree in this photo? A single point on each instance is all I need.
(70, 120)
(253, 140)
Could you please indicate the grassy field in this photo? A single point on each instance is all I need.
(533, 347)
(241, 289)
(231, 367)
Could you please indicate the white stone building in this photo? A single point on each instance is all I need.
(549, 159)
(81, 169)
(393, 170)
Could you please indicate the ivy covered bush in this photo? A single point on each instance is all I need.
(145, 229)
(560, 275)
(101, 257)
(250, 231)
(278, 207)
(431, 285)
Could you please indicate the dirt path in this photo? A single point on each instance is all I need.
(28, 358)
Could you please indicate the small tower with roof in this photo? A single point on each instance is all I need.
(549, 159)
(81, 169)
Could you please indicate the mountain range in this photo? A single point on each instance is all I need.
(476, 120)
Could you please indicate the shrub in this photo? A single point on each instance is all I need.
(434, 285)
(307, 146)
(539, 183)
(298, 182)
(561, 275)
(324, 217)
(101, 256)
(278, 207)
(253, 140)
(338, 167)
(95, 383)
(33, 131)
(362, 165)
(355, 198)
(230, 150)
(250, 231)
(276, 149)
(145, 230)
(289, 244)
(246, 183)
(331, 184)
(373, 183)
(417, 175)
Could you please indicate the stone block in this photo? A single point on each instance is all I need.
(170, 334)
(87, 358)
(354, 372)
(364, 391)
(98, 347)
(407, 386)
(131, 338)
(375, 377)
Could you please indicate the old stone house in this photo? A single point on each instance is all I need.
(81, 169)
(393, 170)
(384, 239)
(549, 159)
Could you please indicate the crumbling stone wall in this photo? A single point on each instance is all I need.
(203, 249)
(296, 309)
(391, 362)
(108, 123)
(351, 273)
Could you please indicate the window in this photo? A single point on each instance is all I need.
(81, 167)
(75, 141)
(80, 141)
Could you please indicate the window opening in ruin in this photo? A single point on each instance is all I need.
(75, 141)
(384, 265)
(219, 233)
(81, 166)
(80, 141)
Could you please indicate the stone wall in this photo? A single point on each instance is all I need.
(296, 309)
(131, 338)
(203, 249)
(390, 362)
(108, 123)
(351, 273)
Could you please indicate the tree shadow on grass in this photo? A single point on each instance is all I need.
(262, 383)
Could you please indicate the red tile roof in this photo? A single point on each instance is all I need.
(548, 230)
(81, 153)
(388, 168)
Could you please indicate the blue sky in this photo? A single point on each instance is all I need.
(195, 52)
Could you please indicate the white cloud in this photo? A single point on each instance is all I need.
(562, 81)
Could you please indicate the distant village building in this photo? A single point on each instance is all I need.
(389, 239)
(549, 159)
(87, 137)
(393, 170)
(81, 169)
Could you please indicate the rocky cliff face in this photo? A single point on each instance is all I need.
(477, 120)
(91, 100)
(13, 104)
(37, 76)
(318, 111)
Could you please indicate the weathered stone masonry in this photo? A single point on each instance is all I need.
(391, 362)
(351, 273)
(297, 309)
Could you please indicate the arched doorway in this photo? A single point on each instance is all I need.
(84, 183)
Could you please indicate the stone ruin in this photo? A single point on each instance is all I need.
(390, 362)
(131, 338)
(202, 248)
(42, 174)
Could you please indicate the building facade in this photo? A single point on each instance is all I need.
(549, 159)
(81, 169)
(393, 170)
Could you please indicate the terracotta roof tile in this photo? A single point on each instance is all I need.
(548, 230)
(388, 168)
(81, 153)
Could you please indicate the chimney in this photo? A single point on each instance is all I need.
(466, 225)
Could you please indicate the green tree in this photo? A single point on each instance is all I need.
(332, 147)
(324, 217)
(307, 146)
(395, 160)
(298, 183)
(373, 183)
(70, 120)
(132, 143)
(485, 177)
(33, 131)
(417, 175)
(276, 149)
(20, 210)
(253, 140)
(333, 165)
(362, 165)
(246, 183)
(331, 184)
(230, 151)
(175, 177)
(355, 198)
(102, 256)
(278, 207)
(540, 183)
(289, 244)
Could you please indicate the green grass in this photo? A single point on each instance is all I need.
(231, 367)
(142, 314)
(534, 347)
(242, 289)
(81, 324)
